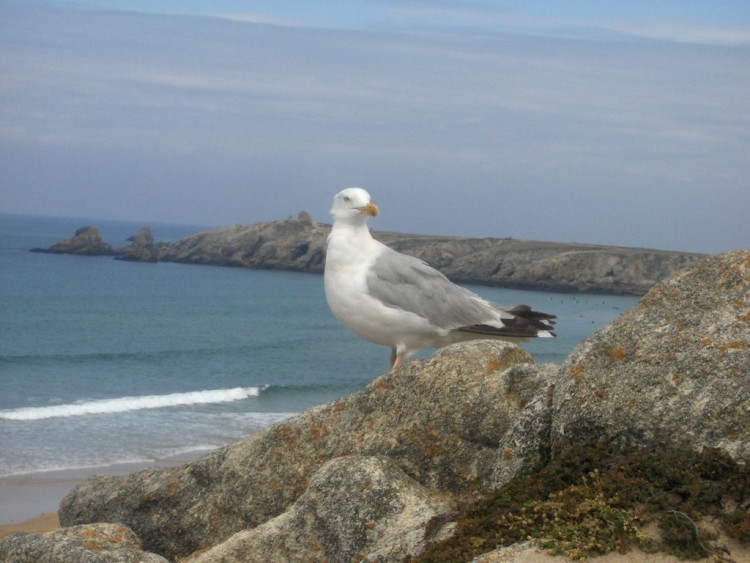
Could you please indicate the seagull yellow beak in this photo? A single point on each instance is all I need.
(370, 209)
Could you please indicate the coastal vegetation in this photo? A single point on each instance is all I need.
(597, 498)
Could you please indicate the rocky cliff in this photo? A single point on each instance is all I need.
(387, 472)
(299, 245)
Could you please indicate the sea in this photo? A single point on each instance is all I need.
(105, 362)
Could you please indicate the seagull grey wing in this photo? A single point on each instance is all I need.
(409, 284)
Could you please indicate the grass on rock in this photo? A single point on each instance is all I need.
(598, 498)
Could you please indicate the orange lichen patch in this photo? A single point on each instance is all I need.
(734, 345)
(576, 372)
(676, 376)
(370, 525)
(675, 294)
(379, 383)
(97, 538)
(433, 443)
(493, 364)
(732, 433)
(706, 342)
(738, 303)
(281, 432)
(148, 497)
(317, 431)
(600, 393)
(92, 546)
(507, 454)
(617, 353)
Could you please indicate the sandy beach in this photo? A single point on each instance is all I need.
(29, 502)
(40, 524)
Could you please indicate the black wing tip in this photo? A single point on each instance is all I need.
(527, 312)
(526, 323)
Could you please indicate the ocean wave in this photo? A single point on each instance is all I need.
(124, 404)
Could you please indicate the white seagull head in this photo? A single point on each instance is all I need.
(353, 205)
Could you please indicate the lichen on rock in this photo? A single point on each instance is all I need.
(676, 368)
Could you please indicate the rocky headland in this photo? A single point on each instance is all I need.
(298, 244)
(641, 439)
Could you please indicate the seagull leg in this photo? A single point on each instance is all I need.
(394, 359)
(397, 356)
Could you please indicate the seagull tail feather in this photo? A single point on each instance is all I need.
(525, 323)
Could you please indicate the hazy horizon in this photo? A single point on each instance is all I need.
(592, 122)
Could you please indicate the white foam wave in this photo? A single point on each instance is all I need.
(124, 404)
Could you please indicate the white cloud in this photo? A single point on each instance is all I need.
(693, 33)
(264, 19)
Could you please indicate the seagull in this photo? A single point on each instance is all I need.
(400, 301)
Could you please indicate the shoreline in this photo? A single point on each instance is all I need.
(39, 525)
(29, 501)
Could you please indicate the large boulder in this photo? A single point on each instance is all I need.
(355, 508)
(676, 368)
(92, 543)
(439, 420)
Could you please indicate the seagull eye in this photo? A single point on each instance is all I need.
(347, 199)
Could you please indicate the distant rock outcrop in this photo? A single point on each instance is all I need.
(376, 476)
(290, 244)
(299, 245)
(142, 248)
(85, 242)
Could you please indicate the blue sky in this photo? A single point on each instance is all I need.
(624, 123)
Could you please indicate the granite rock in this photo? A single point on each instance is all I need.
(355, 508)
(525, 447)
(91, 543)
(439, 420)
(676, 368)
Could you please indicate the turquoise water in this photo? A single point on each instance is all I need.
(104, 361)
